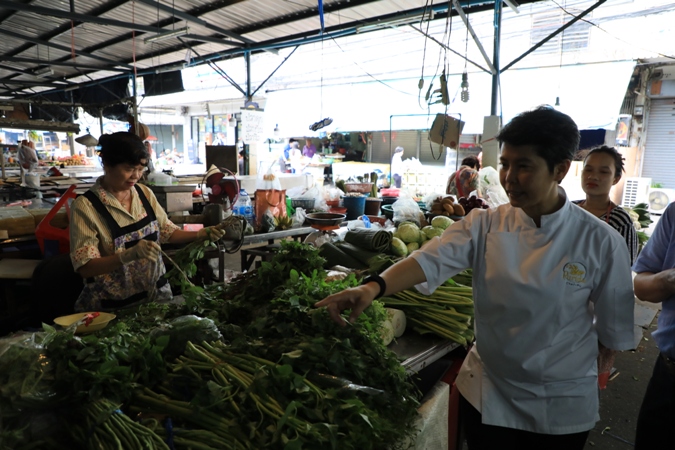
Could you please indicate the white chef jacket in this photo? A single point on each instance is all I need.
(534, 367)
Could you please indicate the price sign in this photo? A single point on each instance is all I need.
(252, 125)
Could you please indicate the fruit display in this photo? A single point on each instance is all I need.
(75, 160)
(472, 203)
(446, 206)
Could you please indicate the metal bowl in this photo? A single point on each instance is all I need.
(325, 219)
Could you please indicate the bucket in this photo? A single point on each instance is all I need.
(373, 206)
(355, 206)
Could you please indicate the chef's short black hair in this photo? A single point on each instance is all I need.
(122, 148)
(553, 134)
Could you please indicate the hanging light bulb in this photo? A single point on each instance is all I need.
(277, 133)
(557, 101)
(232, 122)
(465, 87)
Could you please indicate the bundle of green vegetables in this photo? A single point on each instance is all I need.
(447, 313)
(282, 376)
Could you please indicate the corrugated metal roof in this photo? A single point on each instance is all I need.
(107, 37)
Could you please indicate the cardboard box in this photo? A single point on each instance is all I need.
(446, 130)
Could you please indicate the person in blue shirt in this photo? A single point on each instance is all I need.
(287, 149)
(655, 282)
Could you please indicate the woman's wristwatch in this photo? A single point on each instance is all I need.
(380, 281)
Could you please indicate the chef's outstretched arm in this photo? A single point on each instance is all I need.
(402, 275)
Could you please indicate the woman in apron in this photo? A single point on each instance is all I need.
(116, 228)
(530, 381)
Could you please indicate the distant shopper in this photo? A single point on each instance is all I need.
(463, 182)
(309, 149)
(655, 282)
(287, 148)
(397, 167)
(530, 382)
(28, 159)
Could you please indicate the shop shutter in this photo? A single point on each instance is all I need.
(383, 149)
(659, 158)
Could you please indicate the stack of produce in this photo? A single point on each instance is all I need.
(641, 220)
(360, 248)
(409, 237)
(447, 313)
(446, 206)
(249, 365)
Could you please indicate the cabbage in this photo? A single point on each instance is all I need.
(423, 238)
(432, 232)
(398, 247)
(441, 222)
(409, 232)
(412, 247)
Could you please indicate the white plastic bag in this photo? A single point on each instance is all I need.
(268, 180)
(406, 209)
(490, 187)
(298, 218)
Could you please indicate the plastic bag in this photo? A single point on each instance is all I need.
(406, 209)
(490, 187)
(268, 181)
(298, 218)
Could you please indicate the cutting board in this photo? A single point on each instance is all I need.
(17, 221)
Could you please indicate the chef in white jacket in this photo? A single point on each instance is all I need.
(543, 269)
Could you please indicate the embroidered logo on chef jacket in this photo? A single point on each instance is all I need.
(574, 273)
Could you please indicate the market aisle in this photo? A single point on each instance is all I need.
(620, 402)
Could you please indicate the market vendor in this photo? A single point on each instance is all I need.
(539, 263)
(116, 228)
(465, 181)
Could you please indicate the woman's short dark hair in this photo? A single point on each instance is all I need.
(471, 161)
(122, 148)
(614, 153)
(553, 134)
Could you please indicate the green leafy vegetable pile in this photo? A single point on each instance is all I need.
(249, 365)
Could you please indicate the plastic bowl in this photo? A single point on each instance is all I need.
(98, 323)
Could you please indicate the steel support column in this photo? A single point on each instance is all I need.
(495, 58)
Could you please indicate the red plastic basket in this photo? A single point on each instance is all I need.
(55, 241)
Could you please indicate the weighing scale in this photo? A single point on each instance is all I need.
(325, 225)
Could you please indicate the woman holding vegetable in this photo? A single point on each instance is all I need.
(530, 382)
(116, 228)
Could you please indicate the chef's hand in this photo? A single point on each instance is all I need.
(212, 234)
(143, 250)
(357, 299)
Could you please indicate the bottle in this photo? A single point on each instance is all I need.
(243, 206)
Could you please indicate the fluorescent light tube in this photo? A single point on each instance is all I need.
(167, 35)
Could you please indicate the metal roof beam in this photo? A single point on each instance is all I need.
(190, 18)
(58, 63)
(61, 47)
(16, 82)
(12, 5)
(555, 33)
